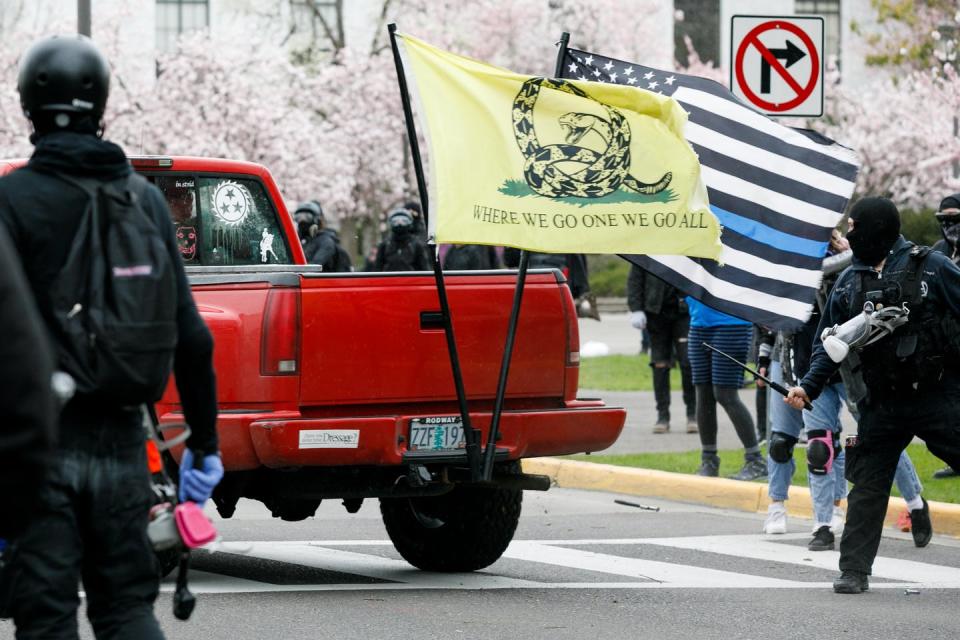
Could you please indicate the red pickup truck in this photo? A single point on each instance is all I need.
(339, 385)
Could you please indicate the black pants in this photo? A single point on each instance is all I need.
(885, 430)
(668, 338)
(91, 525)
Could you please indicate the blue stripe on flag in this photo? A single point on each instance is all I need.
(767, 235)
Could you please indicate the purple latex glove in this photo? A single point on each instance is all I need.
(196, 485)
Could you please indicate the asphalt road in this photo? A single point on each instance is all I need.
(581, 567)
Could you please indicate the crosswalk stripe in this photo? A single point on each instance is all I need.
(677, 575)
(644, 574)
(762, 548)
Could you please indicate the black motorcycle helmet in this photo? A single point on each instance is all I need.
(61, 76)
(309, 219)
(400, 222)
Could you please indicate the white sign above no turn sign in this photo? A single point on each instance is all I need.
(776, 63)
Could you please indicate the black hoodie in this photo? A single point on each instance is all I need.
(42, 213)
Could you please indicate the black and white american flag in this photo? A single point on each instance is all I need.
(777, 191)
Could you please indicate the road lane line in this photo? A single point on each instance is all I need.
(676, 575)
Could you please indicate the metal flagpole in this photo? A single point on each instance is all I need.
(491, 449)
(471, 436)
(83, 17)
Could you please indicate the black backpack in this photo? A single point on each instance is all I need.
(115, 299)
(342, 261)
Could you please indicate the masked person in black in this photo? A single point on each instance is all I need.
(92, 514)
(660, 308)
(948, 215)
(402, 249)
(27, 434)
(321, 244)
(909, 368)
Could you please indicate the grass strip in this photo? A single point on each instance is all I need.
(945, 490)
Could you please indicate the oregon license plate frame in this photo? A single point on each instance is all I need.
(436, 433)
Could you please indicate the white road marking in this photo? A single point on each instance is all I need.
(645, 574)
(676, 575)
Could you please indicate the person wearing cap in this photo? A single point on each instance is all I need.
(948, 215)
(912, 384)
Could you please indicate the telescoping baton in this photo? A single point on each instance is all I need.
(779, 388)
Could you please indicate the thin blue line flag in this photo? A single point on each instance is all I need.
(778, 192)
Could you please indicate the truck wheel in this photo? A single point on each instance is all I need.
(464, 530)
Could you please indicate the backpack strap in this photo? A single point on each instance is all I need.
(910, 287)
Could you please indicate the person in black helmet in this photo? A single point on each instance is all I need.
(908, 370)
(92, 515)
(321, 244)
(402, 249)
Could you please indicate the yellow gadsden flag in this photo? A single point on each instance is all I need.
(555, 165)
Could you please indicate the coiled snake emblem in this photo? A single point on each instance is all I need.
(601, 173)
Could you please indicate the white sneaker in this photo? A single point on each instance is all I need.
(776, 521)
(836, 522)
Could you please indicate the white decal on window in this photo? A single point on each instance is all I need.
(266, 246)
(231, 202)
(330, 439)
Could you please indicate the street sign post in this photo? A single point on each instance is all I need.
(777, 63)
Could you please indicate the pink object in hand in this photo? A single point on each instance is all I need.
(195, 529)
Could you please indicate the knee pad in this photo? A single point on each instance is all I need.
(781, 447)
(821, 451)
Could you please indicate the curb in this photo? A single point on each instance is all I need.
(715, 492)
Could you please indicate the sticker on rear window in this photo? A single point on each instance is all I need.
(231, 202)
(266, 246)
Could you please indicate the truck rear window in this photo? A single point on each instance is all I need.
(223, 220)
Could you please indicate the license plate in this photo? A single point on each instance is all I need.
(436, 434)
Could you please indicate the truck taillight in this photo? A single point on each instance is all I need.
(280, 344)
(573, 331)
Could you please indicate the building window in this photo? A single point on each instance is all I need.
(176, 17)
(830, 10)
(701, 22)
(317, 25)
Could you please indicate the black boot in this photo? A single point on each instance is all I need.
(851, 582)
(661, 391)
(920, 525)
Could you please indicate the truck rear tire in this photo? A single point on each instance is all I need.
(464, 530)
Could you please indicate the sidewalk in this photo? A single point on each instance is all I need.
(717, 492)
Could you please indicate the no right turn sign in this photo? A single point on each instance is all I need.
(777, 63)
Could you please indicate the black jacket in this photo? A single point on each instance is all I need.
(401, 253)
(942, 279)
(471, 256)
(648, 293)
(27, 430)
(324, 249)
(42, 212)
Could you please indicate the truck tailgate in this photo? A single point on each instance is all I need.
(369, 340)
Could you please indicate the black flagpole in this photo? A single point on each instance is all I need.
(512, 326)
(471, 436)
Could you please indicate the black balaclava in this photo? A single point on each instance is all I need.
(875, 230)
(950, 224)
